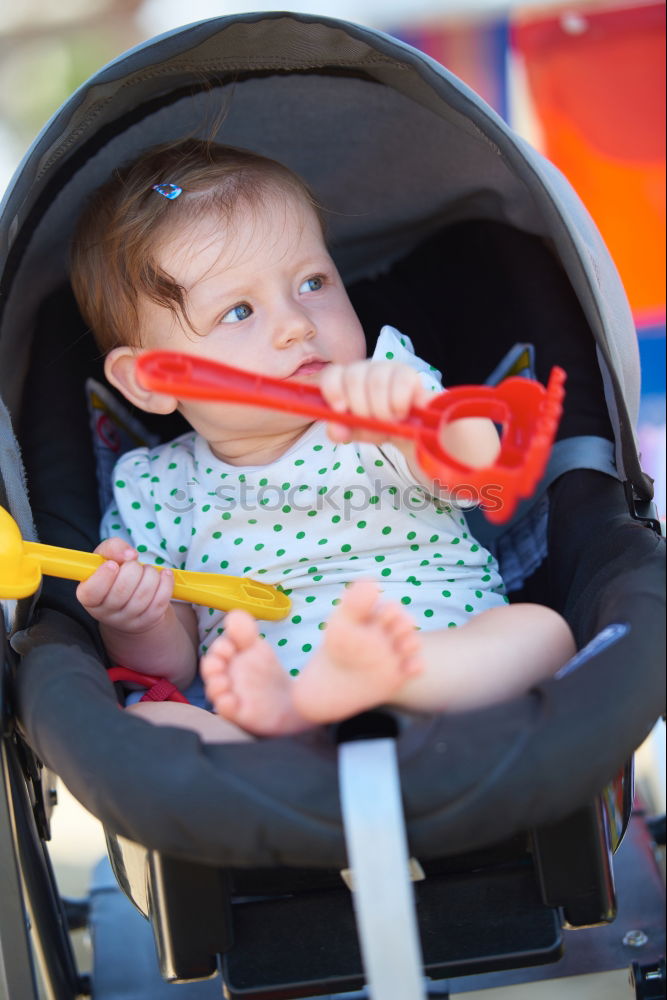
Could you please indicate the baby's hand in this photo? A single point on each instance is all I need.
(123, 594)
(383, 389)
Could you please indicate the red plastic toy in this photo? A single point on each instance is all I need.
(528, 413)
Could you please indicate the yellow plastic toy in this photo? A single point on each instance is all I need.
(22, 565)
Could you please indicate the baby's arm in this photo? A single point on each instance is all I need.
(140, 626)
(388, 390)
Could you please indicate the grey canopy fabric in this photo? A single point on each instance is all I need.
(392, 143)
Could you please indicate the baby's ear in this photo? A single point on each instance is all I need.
(120, 368)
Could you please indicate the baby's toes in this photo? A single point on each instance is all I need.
(216, 660)
(396, 622)
(240, 628)
(225, 703)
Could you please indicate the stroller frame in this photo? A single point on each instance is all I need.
(554, 848)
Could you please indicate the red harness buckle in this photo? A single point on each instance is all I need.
(158, 688)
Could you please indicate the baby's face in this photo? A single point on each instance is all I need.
(263, 294)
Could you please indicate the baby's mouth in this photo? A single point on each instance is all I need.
(308, 368)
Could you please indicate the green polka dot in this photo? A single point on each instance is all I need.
(294, 672)
(280, 552)
(306, 648)
(238, 541)
(322, 541)
(428, 613)
(389, 355)
(142, 548)
(345, 548)
(136, 505)
(456, 541)
(378, 462)
(469, 608)
(380, 558)
(451, 624)
(224, 564)
(217, 534)
(150, 524)
(277, 527)
(204, 558)
(361, 524)
(410, 535)
(317, 447)
(172, 465)
(259, 546)
(386, 530)
(322, 626)
(296, 619)
(446, 593)
(478, 593)
(474, 548)
(406, 600)
(360, 470)
(299, 461)
(120, 483)
(310, 599)
(282, 642)
(286, 509)
(434, 538)
(385, 572)
(301, 534)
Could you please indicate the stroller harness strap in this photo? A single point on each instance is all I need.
(157, 688)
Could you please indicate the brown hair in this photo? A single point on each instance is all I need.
(113, 263)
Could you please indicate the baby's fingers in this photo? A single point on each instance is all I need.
(116, 549)
(91, 593)
(153, 592)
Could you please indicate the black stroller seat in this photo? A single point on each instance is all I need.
(512, 812)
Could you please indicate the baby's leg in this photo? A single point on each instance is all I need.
(495, 656)
(368, 649)
(210, 728)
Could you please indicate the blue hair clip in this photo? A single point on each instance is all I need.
(169, 191)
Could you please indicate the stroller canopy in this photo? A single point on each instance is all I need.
(398, 150)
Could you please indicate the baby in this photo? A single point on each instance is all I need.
(221, 253)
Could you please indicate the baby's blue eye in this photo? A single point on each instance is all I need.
(237, 314)
(312, 284)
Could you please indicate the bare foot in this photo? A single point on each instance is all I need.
(245, 682)
(369, 650)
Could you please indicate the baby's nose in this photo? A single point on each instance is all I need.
(293, 323)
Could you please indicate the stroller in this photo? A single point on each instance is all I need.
(512, 812)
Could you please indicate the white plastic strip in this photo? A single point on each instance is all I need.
(378, 855)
